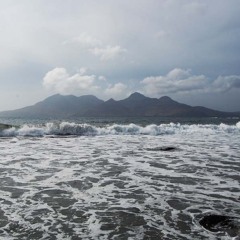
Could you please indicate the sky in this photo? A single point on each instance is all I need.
(188, 50)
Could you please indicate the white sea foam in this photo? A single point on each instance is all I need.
(67, 128)
(119, 184)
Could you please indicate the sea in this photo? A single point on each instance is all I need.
(120, 178)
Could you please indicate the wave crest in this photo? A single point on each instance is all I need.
(67, 128)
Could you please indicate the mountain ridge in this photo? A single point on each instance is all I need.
(67, 106)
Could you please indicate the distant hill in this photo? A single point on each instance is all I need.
(59, 106)
(56, 106)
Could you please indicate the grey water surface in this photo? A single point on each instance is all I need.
(120, 179)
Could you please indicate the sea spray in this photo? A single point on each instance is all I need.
(129, 181)
(67, 128)
(71, 128)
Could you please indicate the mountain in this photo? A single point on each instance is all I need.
(145, 106)
(59, 106)
(56, 106)
(110, 108)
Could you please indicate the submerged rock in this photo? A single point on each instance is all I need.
(221, 223)
(4, 126)
(164, 149)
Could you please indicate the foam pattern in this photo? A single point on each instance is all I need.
(78, 181)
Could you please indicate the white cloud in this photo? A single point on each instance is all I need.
(85, 40)
(108, 53)
(96, 47)
(82, 70)
(177, 80)
(117, 90)
(183, 81)
(102, 78)
(59, 80)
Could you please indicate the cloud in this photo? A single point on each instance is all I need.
(102, 78)
(183, 81)
(85, 40)
(177, 80)
(117, 90)
(108, 38)
(96, 47)
(59, 80)
(108, 53)
(226, 83)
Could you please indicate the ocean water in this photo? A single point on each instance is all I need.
(146, 178)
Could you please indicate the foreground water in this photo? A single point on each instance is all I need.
(120, 181)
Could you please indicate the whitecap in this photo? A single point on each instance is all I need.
(71, 128)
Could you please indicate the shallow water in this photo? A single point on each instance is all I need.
(118, 182)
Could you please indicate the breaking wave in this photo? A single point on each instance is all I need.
(67, 128)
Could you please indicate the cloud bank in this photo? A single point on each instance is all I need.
(177, 81)
(183, 81)
(59, 80)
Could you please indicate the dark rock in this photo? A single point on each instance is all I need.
(163, 149)
(168, 149)
(4, 126)
(221, 223)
